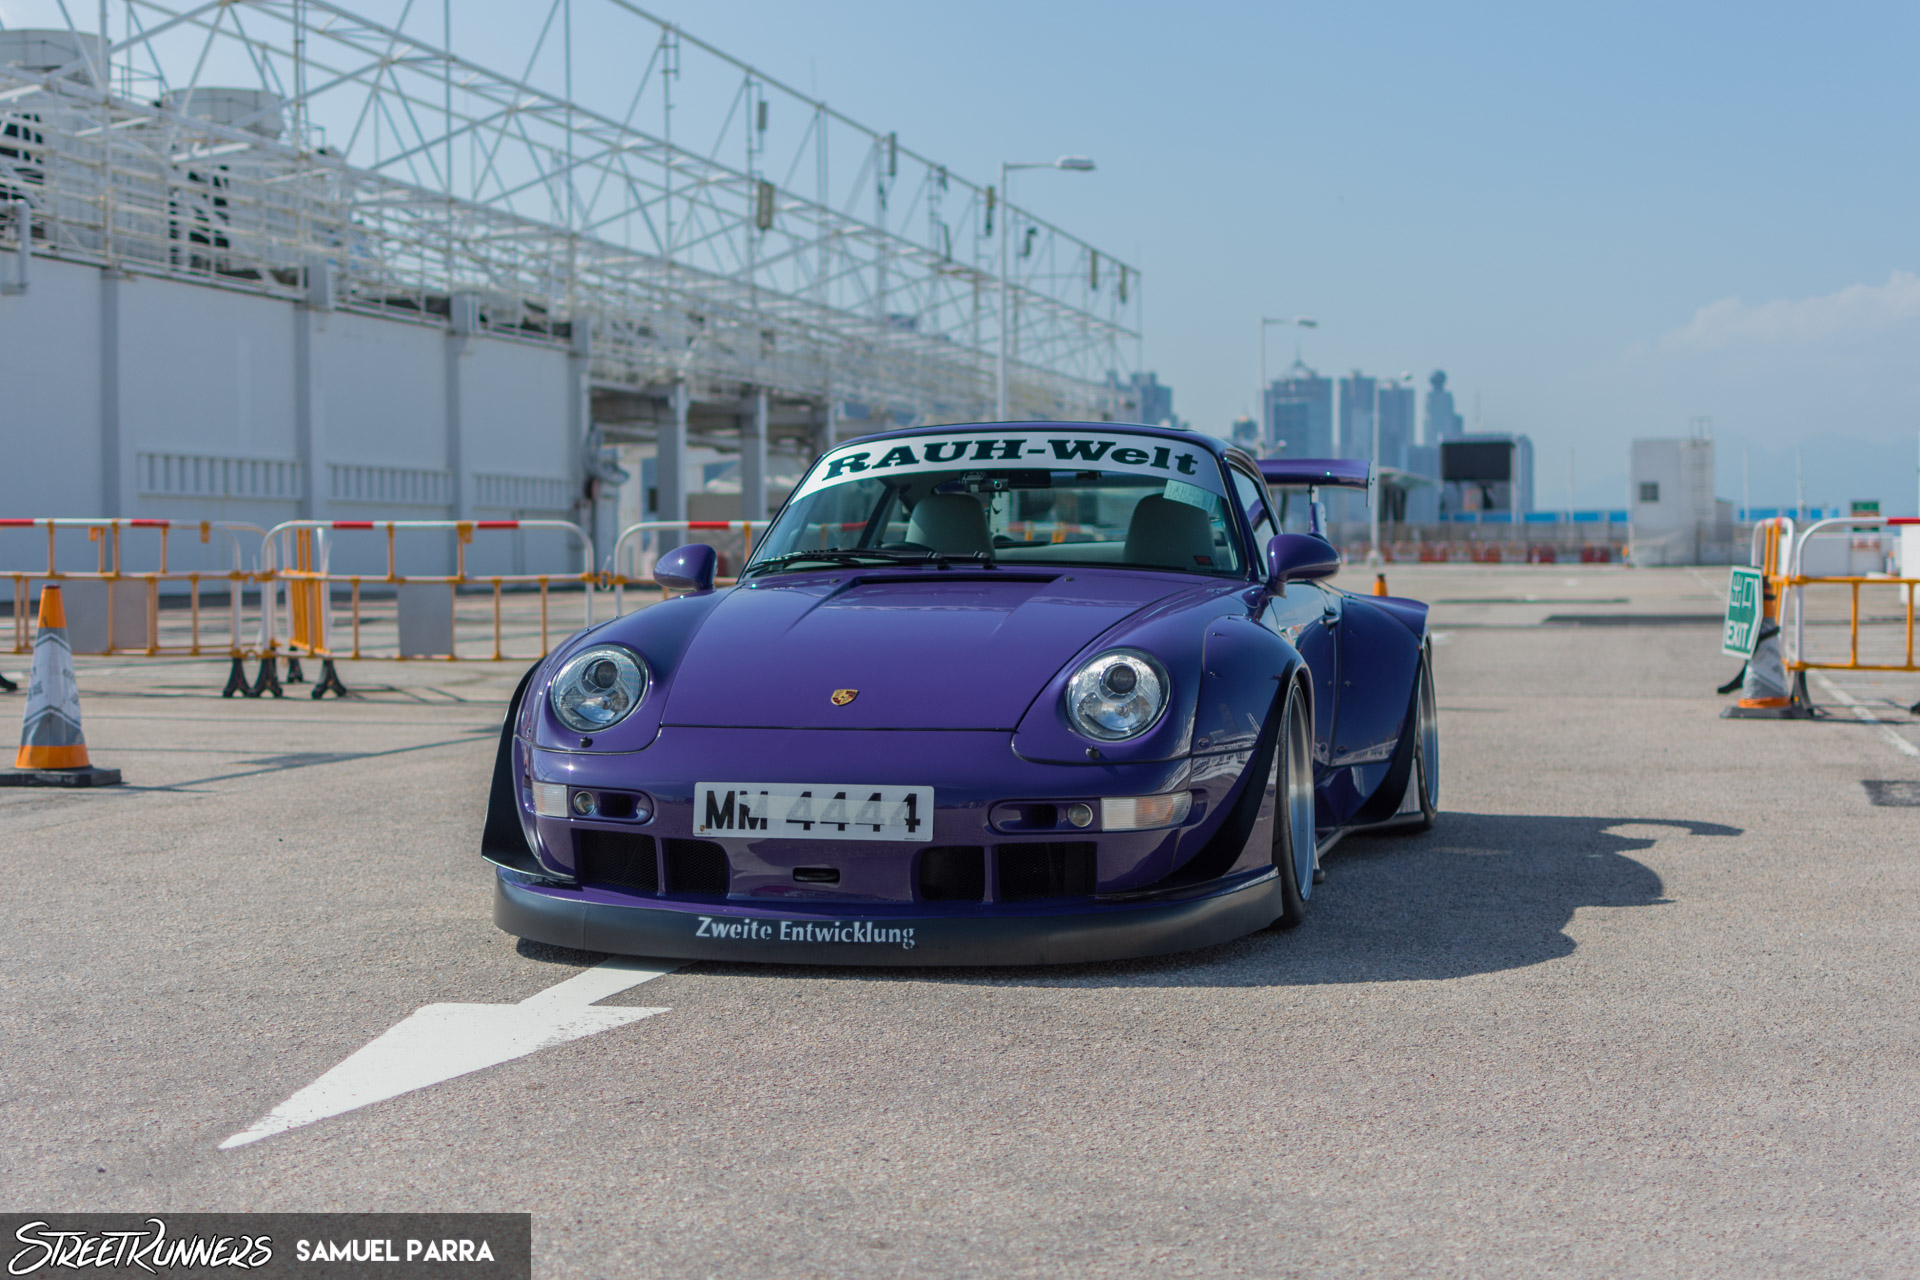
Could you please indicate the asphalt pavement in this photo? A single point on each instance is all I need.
(1643, 1003)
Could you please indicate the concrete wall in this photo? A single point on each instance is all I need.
(50, 459)
(138, 396)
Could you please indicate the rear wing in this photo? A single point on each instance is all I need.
(1325, 473)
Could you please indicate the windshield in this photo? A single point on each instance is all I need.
(1154, 508)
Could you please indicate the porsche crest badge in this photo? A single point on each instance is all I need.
(841, 697)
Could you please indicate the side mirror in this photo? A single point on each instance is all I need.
(1297, 557)
(688, 568)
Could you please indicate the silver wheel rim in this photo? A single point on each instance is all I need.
(1299, 795)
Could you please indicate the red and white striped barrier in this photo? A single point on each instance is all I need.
(109, 535)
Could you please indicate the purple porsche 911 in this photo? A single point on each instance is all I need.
(1020, 693)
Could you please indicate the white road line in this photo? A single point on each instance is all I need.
(441, 1041)
(1860, 712)
(1715, 587)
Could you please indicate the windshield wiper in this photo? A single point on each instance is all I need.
(886, 555)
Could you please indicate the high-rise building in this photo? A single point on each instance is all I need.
(1245, 434)
(1356, 416)
(1423, 499)
(1442, 422)
(1155, 400)
(1393, 402)
(1299, 414)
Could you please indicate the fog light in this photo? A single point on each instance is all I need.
(1080, 815)
(1137, 813)
(550, 799)
(583, 803)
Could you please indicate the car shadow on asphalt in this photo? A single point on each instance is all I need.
(1480, 893)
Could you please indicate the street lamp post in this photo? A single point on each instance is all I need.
(1003, 394)
(1374, 493)
(1299, 322)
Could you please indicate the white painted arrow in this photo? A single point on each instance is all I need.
(441, 1041)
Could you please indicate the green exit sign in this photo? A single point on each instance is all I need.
(1865, 508)
(1745, 594)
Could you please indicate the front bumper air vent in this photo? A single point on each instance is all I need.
(953, 873)
(617, 859)
(1052, 869)
(697, 868)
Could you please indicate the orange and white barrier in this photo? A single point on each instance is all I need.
(1796, 580)
(115, 541)
(299, 614)
(53, 750)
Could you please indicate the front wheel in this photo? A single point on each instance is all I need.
(1293, 810)
(1421, 805)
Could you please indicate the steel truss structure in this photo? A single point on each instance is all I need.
(624, 180)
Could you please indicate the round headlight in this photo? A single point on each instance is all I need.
(1119, 694)
(598, 688)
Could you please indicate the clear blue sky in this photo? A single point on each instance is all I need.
(1602, 221)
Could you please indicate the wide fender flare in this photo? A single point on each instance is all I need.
(503, 840)
(1245, 666)
(1248, 673)
(1379, 662)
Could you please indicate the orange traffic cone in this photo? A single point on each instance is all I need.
(53, 752)
(1380, 584)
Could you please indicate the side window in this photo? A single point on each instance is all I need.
(1253, 496)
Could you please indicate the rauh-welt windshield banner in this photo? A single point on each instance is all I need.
(1072, 450)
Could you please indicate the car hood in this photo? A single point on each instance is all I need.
(941, 650)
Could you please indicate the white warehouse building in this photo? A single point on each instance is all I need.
(1675, 517)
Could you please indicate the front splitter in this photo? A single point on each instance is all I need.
(725, 932)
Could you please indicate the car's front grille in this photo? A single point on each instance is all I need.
(696, 867)
(1049, 869)
(953, 873)
(622, 859)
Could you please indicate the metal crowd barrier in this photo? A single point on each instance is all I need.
(301, 587)
(108, 533)
(1796, 581)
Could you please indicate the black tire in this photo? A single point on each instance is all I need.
(1424, 780)
(1293, 834)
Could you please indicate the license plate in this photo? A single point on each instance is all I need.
(812, 811)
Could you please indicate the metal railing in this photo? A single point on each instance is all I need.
(108, 533)
(296, 556)
(1797, 581)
